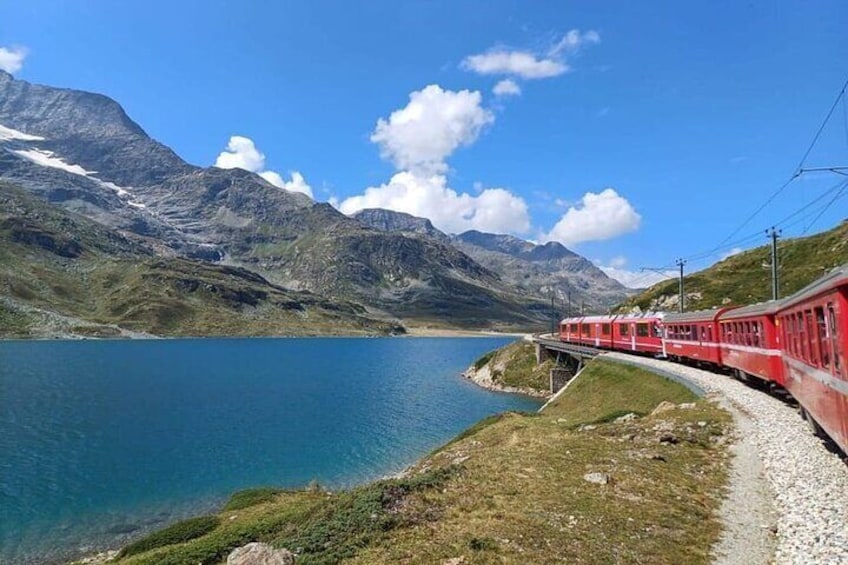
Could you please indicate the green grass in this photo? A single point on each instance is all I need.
(515, 365)
(251, 497)
(176, 533)
(115, 280)
(322, 527)
(607, 389)
(511, 490)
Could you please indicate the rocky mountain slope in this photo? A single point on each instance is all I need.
(544, 270)
(743, 279)
(81, 152)
(531, 270)
(65, 272)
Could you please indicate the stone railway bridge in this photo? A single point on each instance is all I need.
(568, 359)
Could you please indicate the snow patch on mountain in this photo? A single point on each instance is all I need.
(8, 134)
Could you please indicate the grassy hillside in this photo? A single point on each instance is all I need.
(62, 272)
(742, 279)
(513, 366)
(512, 489)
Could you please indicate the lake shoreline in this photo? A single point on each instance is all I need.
(300, 394)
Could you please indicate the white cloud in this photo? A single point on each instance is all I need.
(420, 136)
(12, 59)
(492, 210)
(528, 65)
(573, 41)
(636, 279)
(241, 153)
(632, 279)
(597, 217)
(731, 253)
(500, 61)
(297, 184)
(506, 87)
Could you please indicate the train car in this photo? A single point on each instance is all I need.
(749, 343)
(813, 327)
(694, 336)
(638, 332)
(594, 331)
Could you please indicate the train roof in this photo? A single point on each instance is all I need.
(836, 277)
(611, 318)
(758, 309)
(697, 316)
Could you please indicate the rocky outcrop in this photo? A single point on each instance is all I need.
(260, 554)
(389, 220)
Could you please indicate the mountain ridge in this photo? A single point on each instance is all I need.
(81, 152)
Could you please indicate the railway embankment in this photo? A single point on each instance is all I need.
(624, 466)
(777, 463)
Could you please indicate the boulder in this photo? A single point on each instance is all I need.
(260, 554)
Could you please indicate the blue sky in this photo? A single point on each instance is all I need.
(635, 133)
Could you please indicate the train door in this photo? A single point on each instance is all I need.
(633, 336)
(597, 335)
(837, 335)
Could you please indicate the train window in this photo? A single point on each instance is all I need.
(642, 330)
(812, 337)
(605, 329)
(824, 343)
(574, 328)
(755, 337)
(802, 335)
(623, 330)
(703, 333)
(710, 333)
(587, 330)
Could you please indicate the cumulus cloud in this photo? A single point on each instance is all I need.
(597, 217)
(492, 210)
(529, 65)
(12, 59)
(420, 136)
(507, 87)
(241, 153)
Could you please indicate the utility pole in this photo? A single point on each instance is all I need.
(775, 286)
(553, 312)
(680, 263)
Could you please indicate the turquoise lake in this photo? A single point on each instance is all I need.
(101, 441)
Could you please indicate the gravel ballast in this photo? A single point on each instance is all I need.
(807, 484)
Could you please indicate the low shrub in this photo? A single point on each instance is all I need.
(175, 533)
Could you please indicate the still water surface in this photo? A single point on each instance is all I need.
(101, 440)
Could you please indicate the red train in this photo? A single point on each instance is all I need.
(797, 344)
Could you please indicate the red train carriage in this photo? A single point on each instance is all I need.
(641, 333)
(749, 342)
(694, 336)
(638, 332)
(594, 331)
(813, 327)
